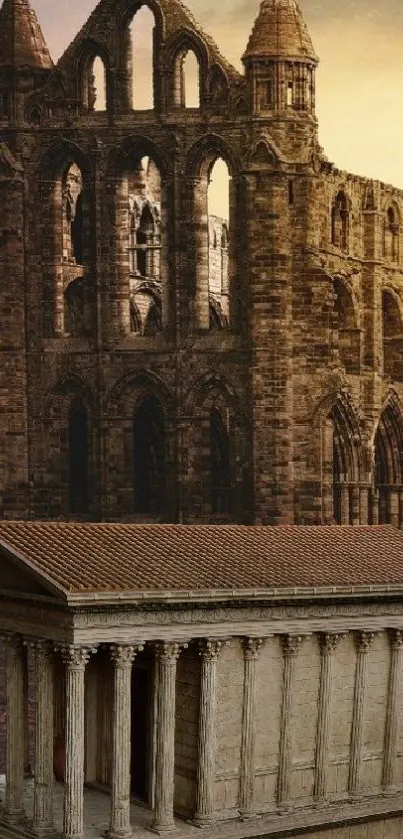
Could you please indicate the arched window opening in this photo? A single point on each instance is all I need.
(391, 236)
(388, 468)
(340, 459)
(78, 458)
(219, 464)
(149, 457)
(290, 94)
(145, 221)
(340, 221)
(142, 61)
(186, 93)
(218, 211)
(392, 337)
(73, 217)
(153, 323)
(135, 319)
(346, 326)
(97, 85)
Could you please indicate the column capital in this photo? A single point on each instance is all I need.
(123, 655)
(11, 639)
(291, 644)
(168, 652)
(41, 648)
(363, 639)
(75, 657)
(395, 638)
(252, 647)
(210, 648)
(328, 641)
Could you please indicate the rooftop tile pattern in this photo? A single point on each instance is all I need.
(280, 31)
(85, 558)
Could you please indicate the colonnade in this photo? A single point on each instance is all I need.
(166, 656)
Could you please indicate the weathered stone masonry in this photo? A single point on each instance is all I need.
(157, 363)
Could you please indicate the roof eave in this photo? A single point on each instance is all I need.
(133, 598)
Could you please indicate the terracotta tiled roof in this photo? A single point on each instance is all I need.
(119, 558)
(21, 40)
(280, 31)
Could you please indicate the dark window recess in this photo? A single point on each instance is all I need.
(78, 459)
(149, 458)
(220, 464)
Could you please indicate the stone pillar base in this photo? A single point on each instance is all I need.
(163, 829)
(246, 815)
(203, 820)
(118, 834)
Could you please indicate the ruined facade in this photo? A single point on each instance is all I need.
(160, 364)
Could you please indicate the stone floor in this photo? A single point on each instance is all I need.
(387, 811)
(96, 812)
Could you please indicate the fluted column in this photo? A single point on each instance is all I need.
(122, 658)
(209, 652)
(291, 645)
(392, 716)
(327, 642)
(167, 654)
(252, 647)
(15, 712)
(75, 659)
(43, 787)
(363, 642)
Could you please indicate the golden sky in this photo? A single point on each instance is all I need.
(359, 80)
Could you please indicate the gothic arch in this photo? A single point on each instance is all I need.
(183, 41)
(68, 454)
(346, 313)
(340, 217)
(131, 151)
(203, 154)
(59, 156)
(342, 459)
(388, 464)
(86, 53)
(214, 446)
(139, 439)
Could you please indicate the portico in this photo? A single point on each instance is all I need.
(190, 699)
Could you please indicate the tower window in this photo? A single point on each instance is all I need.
(290, 94)
(220, 464)
(78, 459)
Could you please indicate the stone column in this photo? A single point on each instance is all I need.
(75, 659)
(363, 642)
(15, 740)
(392, 716)
(43, 788)
(209, 652)
(122, 658)
(327, 642)
(291, 645)
(167, 654)
(252, 647)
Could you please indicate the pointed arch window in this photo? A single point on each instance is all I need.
(341, 471)
(340, 221)
(388, 477)
(391, 235)
(78, 458)
(73, 218)
(149, 457)
(186, 92)
(219, 464)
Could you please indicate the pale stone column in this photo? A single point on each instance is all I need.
(252, 647)
(43, 788)
(392, 715)
(291, 645)
(209, 652)
(167, 654)
(75, 659)
(363, 642)
(15, 710)
(122, 658)
(327, 642)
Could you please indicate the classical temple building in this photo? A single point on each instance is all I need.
(166, 366)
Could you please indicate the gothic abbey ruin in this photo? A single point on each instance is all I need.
(163, 365)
